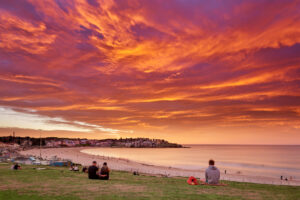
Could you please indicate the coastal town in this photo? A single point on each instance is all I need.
(54, 142)
(10, 146)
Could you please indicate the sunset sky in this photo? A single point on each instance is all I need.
(188, 71)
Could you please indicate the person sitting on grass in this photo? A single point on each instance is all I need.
(16, 166)
(85, 169)
(104, 172)
(212, 173)
(93, 171)
(71, 168)
(76, 169)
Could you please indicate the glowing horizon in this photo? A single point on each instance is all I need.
(187, 71)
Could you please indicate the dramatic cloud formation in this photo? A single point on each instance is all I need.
(188, 71)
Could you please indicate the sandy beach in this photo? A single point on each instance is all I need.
(76, 156)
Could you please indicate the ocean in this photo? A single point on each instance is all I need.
(254, 160)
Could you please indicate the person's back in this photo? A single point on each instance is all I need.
(92, 171)
(212, 173)
(104, 172)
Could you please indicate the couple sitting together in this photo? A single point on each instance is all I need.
(94, 173)
(212, 176)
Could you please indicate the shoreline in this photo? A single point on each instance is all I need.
(121, 164)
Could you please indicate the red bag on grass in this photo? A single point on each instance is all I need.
(192, 181)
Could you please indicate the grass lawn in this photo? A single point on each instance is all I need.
(59, 183)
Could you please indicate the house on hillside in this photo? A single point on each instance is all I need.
(83, 141)
(58, 143)
(76, 142)
(69, 143)
(26, 143)
(50, 143)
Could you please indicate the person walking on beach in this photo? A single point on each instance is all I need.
(104, 172)
(212, 173)
(93, 171)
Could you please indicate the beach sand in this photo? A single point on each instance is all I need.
(76, 156)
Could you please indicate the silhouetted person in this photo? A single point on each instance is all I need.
(93, 170)
(212, 174)
(17, 166)
(84, 169)
(104, 172)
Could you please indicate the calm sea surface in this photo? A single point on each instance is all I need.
(261, 160)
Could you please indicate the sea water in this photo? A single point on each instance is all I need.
(254, 160)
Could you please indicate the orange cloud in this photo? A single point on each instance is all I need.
(153, 68)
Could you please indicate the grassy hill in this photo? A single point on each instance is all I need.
(59, 183)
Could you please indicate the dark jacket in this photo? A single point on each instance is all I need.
(104, 173)
(93, 172)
